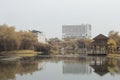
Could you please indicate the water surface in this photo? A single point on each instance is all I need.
(84, 68)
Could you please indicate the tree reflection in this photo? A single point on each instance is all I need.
(9, 70)
(114, 66)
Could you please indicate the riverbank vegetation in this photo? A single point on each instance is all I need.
(115, 36)
(13, 40)
(19, 42)
(25, 43)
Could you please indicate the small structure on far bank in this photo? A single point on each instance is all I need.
(99, 45)
(41, 36)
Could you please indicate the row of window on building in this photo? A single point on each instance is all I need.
(76, 31)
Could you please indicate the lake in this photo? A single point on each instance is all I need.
(83, 68)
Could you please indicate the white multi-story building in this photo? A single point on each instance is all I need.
(76, 31)
(40, 35)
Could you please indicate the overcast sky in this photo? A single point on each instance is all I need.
(49, 15)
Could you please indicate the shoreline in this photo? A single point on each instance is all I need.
(22, 55)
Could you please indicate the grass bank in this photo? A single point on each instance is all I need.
(19, 53)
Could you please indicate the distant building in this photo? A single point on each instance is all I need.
(76, 31)
(40, 35)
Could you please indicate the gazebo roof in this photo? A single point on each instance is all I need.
(100, 36)
(100, 69)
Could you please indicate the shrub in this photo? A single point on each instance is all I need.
(45, 48)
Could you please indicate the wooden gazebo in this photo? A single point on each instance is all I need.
(99, 44)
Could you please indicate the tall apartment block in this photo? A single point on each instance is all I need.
(76, 31)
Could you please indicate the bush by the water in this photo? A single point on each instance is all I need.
(45, 48)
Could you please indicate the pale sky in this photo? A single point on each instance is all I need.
(49, 15)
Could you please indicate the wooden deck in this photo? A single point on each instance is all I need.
(104, 54)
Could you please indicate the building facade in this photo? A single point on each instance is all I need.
(40, 35)
(76, 31)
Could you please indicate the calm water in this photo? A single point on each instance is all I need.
(86, 68)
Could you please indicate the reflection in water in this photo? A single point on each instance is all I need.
(99, 65)
(102, 65)
(91, 66)
(76, 68)
(8, 70)
(114, 66)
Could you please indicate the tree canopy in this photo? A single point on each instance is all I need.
(13, 40)
(112, 44)
(115, 36)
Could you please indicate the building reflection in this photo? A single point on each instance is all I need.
(76, 67)
(9, 70)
